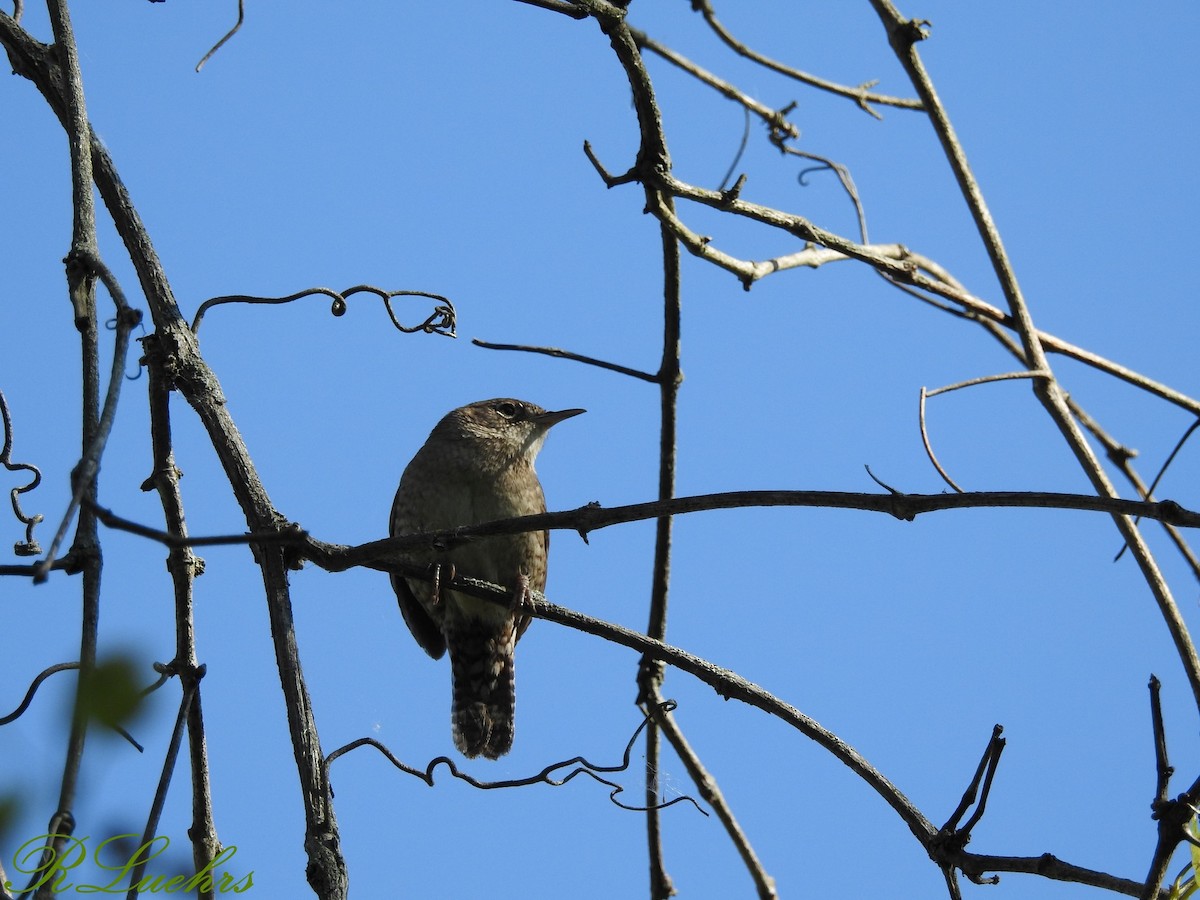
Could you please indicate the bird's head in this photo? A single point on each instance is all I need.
(502, 430)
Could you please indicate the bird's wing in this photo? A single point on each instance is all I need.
(424, 629)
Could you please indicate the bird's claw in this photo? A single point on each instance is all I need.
(521, 600)
(436, 570)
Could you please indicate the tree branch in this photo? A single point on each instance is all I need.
(860, 95)
(904, 35)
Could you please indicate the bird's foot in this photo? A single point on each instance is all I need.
(521, 600)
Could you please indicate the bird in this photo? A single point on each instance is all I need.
(476, 466)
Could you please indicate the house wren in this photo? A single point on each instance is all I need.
(476, 466)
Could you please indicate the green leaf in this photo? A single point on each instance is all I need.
(111, 695)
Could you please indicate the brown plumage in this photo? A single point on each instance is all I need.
(476, 466)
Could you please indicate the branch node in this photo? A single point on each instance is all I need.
(730, 195)
(899, 506)
(610, 181)
(915, 30)
(951, 839)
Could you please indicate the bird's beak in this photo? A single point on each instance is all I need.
(547, 419)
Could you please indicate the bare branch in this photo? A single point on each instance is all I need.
(164, 782)
(585, 519)
(379, 554)
(183, 566)
(650, 675)
(85, 471)
(731, 686)
(710, 793)
(566, 354)
(862, 95)
(81, 268)
(286, 535)
(775, 119)
(951, 838)
(903, 35)
(954, 387)
(559, 6)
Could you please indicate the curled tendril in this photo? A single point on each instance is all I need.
(241, 17)
(37, 682)
(111, 325)
(29, 546)
(801, 175)
(547, 776)
(443, 319)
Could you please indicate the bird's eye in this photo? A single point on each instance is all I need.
(506, 409)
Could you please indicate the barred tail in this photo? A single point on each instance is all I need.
(484, 687)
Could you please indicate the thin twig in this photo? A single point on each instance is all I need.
(567, 354)
(559, 6)
(85, 470)
(1118, 454)
(731, 686)
(174, 349)
(929, 447)
(984, 379)
(775, 119)
(904, 35)
(160, 794)
(951, 839)
(1162, 764)
(710, 793)
(954, 387)
(593, 517)
(183, 539)
(894, 261)
(183, 567)
(1191, 429)
(737, 157)
(1147, 493)
(1121, 457)
(232, 31)
(650, 676)
(862, 95)
(844, 176)
(81, 285)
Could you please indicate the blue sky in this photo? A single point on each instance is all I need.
(437, 147)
